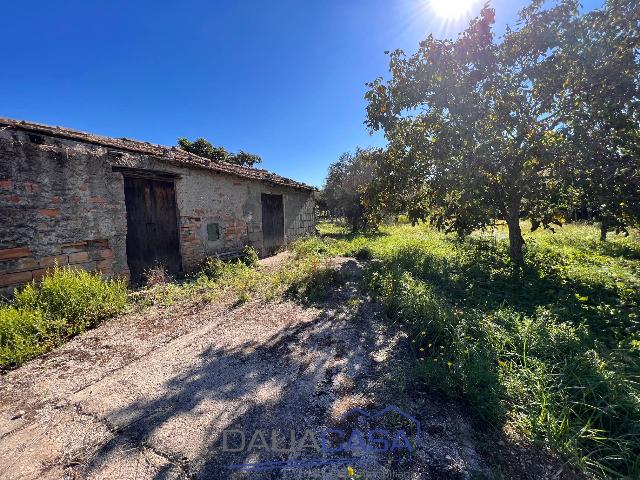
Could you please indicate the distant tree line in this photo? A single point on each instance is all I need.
(206, 149)
(539, 125)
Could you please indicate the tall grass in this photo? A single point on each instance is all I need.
(64, 303)
(553, 351)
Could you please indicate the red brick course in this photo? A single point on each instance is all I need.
(19, 252)
(15, 278)
(79, 257)
(51, 261)
(49, 212)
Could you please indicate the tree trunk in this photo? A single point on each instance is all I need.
(516, 241)
(604, 227)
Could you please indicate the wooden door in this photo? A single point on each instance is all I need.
(152, 225)
(272, 223)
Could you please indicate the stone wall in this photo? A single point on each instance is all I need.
(60, 200)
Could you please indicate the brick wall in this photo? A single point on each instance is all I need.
(19, 265)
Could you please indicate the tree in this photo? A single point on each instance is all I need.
(601, 106)
(244, 158)
(204, 148)
(347, 182)
(472, 125)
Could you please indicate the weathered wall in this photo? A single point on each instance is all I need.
(61, 201)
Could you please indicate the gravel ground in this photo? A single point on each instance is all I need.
(147, 396)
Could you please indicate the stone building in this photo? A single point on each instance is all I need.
(120, 206)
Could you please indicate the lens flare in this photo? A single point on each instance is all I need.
(452, 9)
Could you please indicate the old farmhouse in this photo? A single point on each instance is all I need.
(121, 206)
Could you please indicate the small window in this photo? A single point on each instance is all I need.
(213, 232)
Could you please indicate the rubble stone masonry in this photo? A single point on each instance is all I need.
(61, 202)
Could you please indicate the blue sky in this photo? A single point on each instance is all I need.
(283, 79)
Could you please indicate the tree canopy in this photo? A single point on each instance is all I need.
(206, 149)
(600, 105)
(480, 129)
(348, 183)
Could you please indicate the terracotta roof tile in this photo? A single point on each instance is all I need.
(173, 155)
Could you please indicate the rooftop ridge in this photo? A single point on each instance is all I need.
(171, 154)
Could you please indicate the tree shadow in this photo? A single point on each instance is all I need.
(485, 281)
(570, 324)
(294, 379)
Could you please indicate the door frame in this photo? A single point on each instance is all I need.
(161, 176)
(284, 217)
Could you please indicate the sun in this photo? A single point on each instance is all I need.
(452, 9)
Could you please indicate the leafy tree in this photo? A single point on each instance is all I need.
(347, 182)
(472, 125)
(601, 105)
(244, 158)
(204, 148)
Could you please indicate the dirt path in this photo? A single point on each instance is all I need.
(149, 395)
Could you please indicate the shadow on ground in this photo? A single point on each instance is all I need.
(300, 377)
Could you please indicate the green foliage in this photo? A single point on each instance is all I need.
(66, 302)
(530, 125)
(25, 334)
(553, 351)
(82, 299)
(313, 281)
(363, 254)
(204, 148)
(347, 186)
(600, 103)
(250, 256)
(213, 268)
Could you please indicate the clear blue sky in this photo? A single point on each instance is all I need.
(283, 79)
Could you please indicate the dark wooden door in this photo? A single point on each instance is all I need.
(272, 223)
(152, 225)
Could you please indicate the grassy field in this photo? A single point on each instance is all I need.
(553, 351)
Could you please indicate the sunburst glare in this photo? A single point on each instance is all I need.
(452, 9)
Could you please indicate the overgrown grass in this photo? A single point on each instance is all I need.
(63, 304)
(306, 276)
(553, 351)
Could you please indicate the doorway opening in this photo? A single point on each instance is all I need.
(152, 225)
(272, 223)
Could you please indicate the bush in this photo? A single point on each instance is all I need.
(66, 302)
(24, 334)
(212, 268)
(250, 256)
(80, 298)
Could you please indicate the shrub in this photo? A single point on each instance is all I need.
(44, 314)
(81, 299)
(25, 334)
(212, 267)
(250, 256)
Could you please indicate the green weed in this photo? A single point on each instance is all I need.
(553, 350)
(64, 303)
